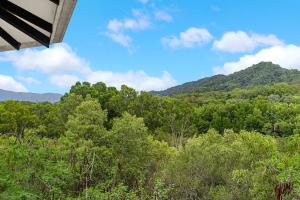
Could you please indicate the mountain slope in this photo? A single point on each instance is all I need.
(33, 97)
(260, 74)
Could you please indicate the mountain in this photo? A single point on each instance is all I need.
(25, 96)
(263, 73)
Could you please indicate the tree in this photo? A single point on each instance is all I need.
(254, 121)
(148, 107)
(55, 120)
(83, 89)
(122, 101)
(177, 120)
(116, 193)
(87, 121)
(213, 166)
(128, 138)
(15, 118)
(137, 155)
(67, 106)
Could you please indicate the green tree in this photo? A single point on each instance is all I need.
(87, 121)
(137, 155)
(16, 118)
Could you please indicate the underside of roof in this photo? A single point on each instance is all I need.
(29, 23)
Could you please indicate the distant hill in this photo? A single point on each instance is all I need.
(33, 97)
(263, 73)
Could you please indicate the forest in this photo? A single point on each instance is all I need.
(100, 143)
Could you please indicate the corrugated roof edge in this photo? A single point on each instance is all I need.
(62, 21)
(63, 15)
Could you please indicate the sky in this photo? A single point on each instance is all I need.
(157, 44)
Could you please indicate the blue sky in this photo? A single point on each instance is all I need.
(156, 44)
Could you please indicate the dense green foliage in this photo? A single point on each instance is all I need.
(101, 143)
(260, 74)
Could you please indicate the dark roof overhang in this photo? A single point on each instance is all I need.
(30, 23)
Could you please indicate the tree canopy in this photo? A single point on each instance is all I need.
(98, 142)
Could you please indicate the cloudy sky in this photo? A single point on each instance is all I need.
(156, 44)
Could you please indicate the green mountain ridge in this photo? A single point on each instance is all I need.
(263, 73)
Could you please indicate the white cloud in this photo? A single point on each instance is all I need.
(286, 56)
(64, 80)
(161, 15)
(138, 80)
(121, 31)
(66, 69)
(120, 38)
(9, 83)
(238, 42)
(138, 23)
(191, 38)
(28, 80)
(117, 29)
(58, 59)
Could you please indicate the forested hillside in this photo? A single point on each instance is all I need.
(28, 96)
(101, 143)
(260, 74)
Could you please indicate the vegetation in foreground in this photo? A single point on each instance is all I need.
(101, 143)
